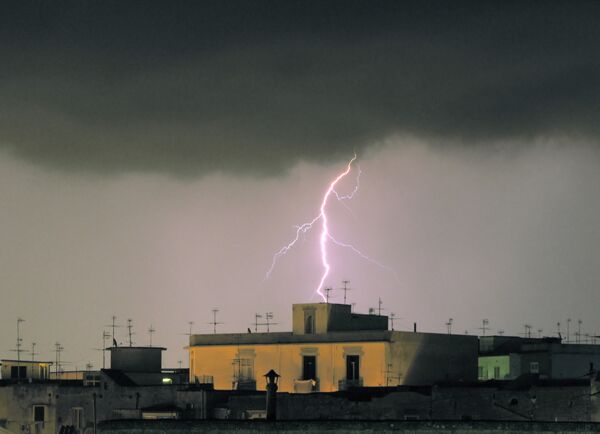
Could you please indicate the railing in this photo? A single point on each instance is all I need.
(244, 384)
(347, 384)
(306, 386)
(204, 379)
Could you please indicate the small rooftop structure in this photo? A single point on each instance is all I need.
(24, 369)
(136, 359)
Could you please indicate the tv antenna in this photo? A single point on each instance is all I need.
(130, 331)
(540, 332)
(268, 317)
(379, 308)
(327, 291)
(449, 325)
(58, 348)
(256, 323)
(579, 322)
(484, 326)
(393, 318)
(151, 331)
(33, 353)
(18, 348)
(558, 329)
(214, 321)
(345, 288)
(568, 329)
(527, 330)
(105, 336)
(113, 326)
(500, 332)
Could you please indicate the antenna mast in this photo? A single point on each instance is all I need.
(449, 325)
(19, 341)
(58, 348)
(484, 326)
(151, 331)
(105, 336)
(214, 321)
(345, 288)
(129, 330)
(327, 291)
(33, 353)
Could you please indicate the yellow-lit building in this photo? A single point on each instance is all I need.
(330, 349)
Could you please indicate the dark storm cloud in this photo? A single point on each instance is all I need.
(192, 87)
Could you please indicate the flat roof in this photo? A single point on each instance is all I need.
(291, 338)
(26, 361)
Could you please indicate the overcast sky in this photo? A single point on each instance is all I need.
(154, 156)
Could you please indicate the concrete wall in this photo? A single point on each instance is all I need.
(136, 359)
(573, 365)
(427, 358)
(331, 427)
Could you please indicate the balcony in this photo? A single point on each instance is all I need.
(348, 384)
(244, 384)
(306, 386)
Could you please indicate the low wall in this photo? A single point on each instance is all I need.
(329, 427)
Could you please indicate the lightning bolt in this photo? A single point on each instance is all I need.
(326, 236)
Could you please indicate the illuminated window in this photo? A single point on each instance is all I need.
(167, 380)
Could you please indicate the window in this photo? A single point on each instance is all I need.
(534, 367)
(309, 368)
(39, 413)
(18, 372)
(309, 322)
(247, 369)
(77, 417)
(43, 372)
(496, 372)
(352, 368)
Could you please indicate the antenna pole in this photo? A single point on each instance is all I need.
(129, 330)
(379, 308)
(484, 326)
(105, 336)
(449, 325)
(33, 353)
(151, 331)
(345, 288)
(256, 317)
(327, 291)
(19, 342)
(568, 329)
(214, 311)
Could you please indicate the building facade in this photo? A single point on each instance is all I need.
(330, 349)
(508, 357)
(24, 369)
